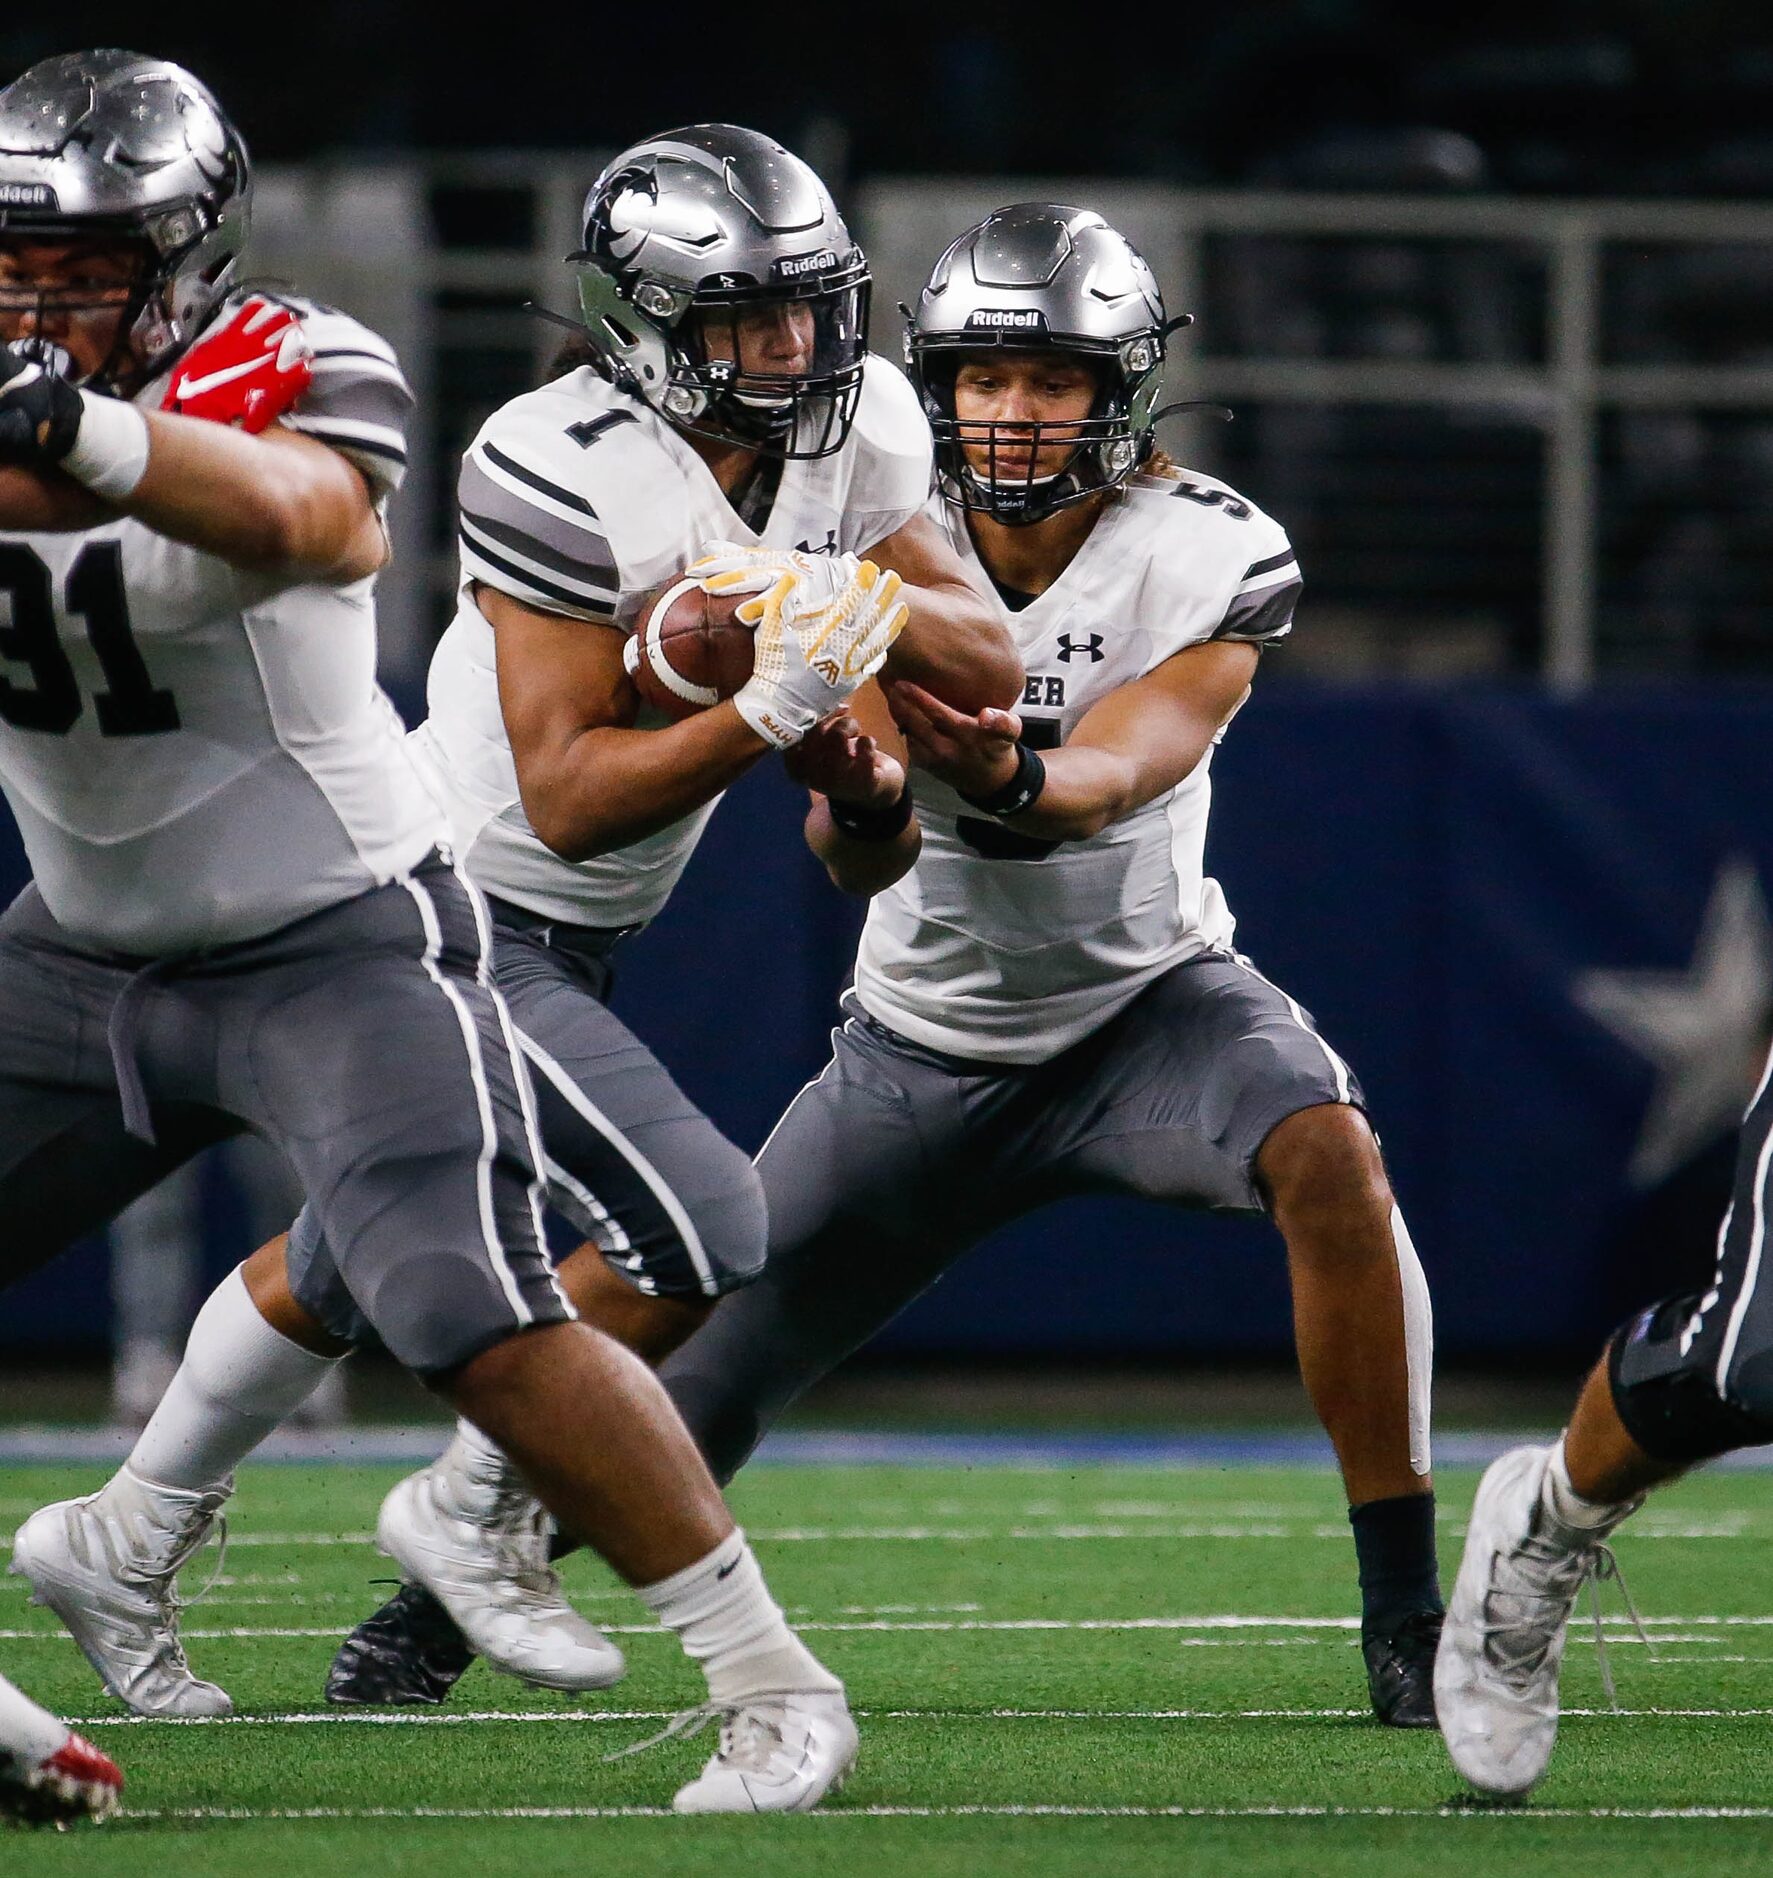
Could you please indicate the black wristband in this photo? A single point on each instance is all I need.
(862, 824)
(1022, 791)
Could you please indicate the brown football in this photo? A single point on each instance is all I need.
(689, 648)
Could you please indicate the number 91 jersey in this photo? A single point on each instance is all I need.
(1002, 948)
(197, 755)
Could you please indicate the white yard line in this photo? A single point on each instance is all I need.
(974, 1812)
(1060, 1533)
(1667, 1627)
(379, 1718)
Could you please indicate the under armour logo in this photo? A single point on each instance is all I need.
(827, 546)
(1092, 645)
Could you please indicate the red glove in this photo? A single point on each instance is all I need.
(249, 371)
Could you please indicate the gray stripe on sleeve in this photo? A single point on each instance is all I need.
(1256, 618)
(370, 395)
(542, 535)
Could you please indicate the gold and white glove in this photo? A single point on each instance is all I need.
(727, 568)
(822, 631)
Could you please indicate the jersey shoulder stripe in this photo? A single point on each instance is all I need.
(359, 402)
(1262, 616)
(1273, 564)
(506, 511)
(1215, 554)
(541, 484)
(547, 593)
(532, 537)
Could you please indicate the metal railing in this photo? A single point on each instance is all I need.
(447, 282)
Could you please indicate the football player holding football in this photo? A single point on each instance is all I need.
(1048, 1000)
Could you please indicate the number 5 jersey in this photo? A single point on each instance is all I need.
(197, 754)
(1006, 949)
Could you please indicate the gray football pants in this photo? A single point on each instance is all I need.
(897, 1159)
(631, 1163)
(364, 1042)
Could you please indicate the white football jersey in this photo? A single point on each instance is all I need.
(1001, 948)
(198, 755)
(579, 499)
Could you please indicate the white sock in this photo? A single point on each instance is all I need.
(27, 1732)
(727, 1621)
(1585, 1519)
(239, 1379)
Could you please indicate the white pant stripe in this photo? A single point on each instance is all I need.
(1757, 1239)
(577, 1099)
(789, 1110)
(1338, 1068)
(594, 1217)
(525, 1094)
(489, 1136)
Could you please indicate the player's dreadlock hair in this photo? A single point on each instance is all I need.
(574, 352)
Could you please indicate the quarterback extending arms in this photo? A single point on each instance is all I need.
(245, 914)
(1048, 1001)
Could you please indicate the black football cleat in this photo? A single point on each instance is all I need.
(408, 1652)
(1400, 1670)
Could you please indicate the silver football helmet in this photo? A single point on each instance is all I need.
(1042, 277)
(111, 145)
(693, 239)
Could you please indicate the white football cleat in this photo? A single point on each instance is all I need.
(777, 1754)
(476, 1538)
(107, 1565)
(1496, 1674)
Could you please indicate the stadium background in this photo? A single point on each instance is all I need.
(1493, 299)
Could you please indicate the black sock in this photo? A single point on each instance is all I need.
(1394, 1542)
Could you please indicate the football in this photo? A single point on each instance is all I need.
(689, 649)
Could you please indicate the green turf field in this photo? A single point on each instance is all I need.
(1101, 1670)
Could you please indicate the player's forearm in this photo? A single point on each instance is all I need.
(608, 786)
(48, 502)
(956, 647)
(1086, 791)
(259, 503)
(864, 868)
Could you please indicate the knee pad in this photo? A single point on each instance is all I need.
(731, 1226)
(1663, 1375)
(735, 1229)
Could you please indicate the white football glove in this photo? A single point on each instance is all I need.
(811, 658)
(727, 568)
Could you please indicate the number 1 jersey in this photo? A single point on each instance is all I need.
(195, 754)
